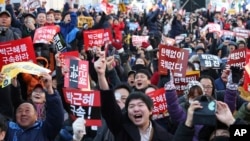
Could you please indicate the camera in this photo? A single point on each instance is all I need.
(205, 115)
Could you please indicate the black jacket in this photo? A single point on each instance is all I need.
(121, 126)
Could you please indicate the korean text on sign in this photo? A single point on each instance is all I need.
(78, 74)
(174, 59)
(17, 51)
(93, 38)
(237, 58)
(160, 103)
(45, 34)
(181, 82)
(209, 61)
(85, 104)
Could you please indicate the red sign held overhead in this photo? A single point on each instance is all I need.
(96, 38)
(237, 58)
(85, 104)
(174, 59)
(160, 103)
(45, 34)
(78, 75)
(17, 51)
(181, 82)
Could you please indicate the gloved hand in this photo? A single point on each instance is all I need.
(230, 85)
(237, 74)
(169, 85)
(78, 129)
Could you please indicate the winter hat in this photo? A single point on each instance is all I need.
(146, 46)
(118, 46)
(190, 85)
(39, 86)
(43, 61)
(144, 71)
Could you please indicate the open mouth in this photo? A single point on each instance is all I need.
(138, 117)
(139, 84)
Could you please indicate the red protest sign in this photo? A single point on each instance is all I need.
(93, 38)
(213, 27)
(70, 54)
(173, 58)
(181, 82)
(241, 32)
(246, 84)
(237, 58)
(78, 76)
(138, 40)
(160, 103)
(17, 51)
(107, 35)
(85, 104)
(45, 34)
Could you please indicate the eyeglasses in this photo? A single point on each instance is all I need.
(207, 87)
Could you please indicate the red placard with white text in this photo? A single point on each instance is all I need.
(93, 38)
(45, 34)
(17, 51)
(85, 104)
(160, 103)
(181, 82)
(237, 58)
(173, 58)
(78, 75)
(138, 40)
(246, 84)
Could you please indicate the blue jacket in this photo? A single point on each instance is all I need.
(219, 84)
(66, 28)
(45, 130)
(151, 21)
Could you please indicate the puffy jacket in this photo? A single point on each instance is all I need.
(45, 130)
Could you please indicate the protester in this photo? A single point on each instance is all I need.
(139, 107)
(140, 42)
(26, 117)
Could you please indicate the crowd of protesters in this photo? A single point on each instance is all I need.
(33, 108)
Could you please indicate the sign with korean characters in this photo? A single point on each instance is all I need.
(212, 27)
(181, 82)
(160, 103)
(174, 59)
(241, 32)
(17, 51)
(96, 38)
(59, 43)
(138, 40)
(45, 34)
(83, 19)
(209, 61)
(246, 84)
(85, 104)
(78, 75)
(11, 70)
(237, 58)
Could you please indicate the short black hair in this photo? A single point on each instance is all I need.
(144, 71)
(140, 95)
(211, 79)
(29, 102)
